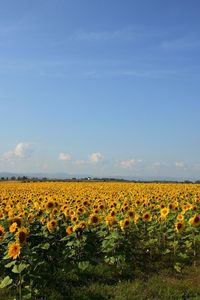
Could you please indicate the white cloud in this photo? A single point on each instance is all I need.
(95, 157)
(128, 164)
(179, 164)
(64, 156)
(21, 151)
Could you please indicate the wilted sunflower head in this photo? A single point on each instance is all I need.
(21, 235)
(93, 219)
(50, 205)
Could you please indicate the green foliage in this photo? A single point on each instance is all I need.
(5, 282)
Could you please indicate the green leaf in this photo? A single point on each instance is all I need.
(27, 292)
(71, 243)
(7, 235)
(183, 255)
(170, 230)
(197, 238)
(114, 235)
(166, 251)
(45, 246)
(6, 256)
(5, 282)
(188, 244)
(10, 264)
(177, 267)
(64, 239)
(173, 244)
(27, 296)
(83, 265)
(19, 268)
(152, 242)
(39, 264)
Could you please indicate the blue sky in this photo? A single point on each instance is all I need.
(104, 88)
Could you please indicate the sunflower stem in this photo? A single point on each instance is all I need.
(194, 252)
(20, 286)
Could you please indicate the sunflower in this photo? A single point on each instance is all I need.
(164, 212)
(194, 207)
(69, 230)
(17, 220)
(136, 218)
(195, 220)
(189, 206)
(51, 225)
(14, 250)
(111, 220)
(30, 217)
(146, 216)
(101, 206)
(39, 212)
(180, 217)
(74, 219)
(42, 220)
(124, 223)
(54, 212)
(179, 226)
(80, 210)
(112, 213)
(13, 227)
(1, 215)
(2, 232)
(131, 213)
(80, 227)
(21, 235)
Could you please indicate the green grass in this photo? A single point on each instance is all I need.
(163, 286)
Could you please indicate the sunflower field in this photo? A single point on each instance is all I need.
(52, 230)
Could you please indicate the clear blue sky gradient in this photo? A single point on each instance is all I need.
(116, 79)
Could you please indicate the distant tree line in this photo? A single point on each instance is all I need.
(93, 179)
